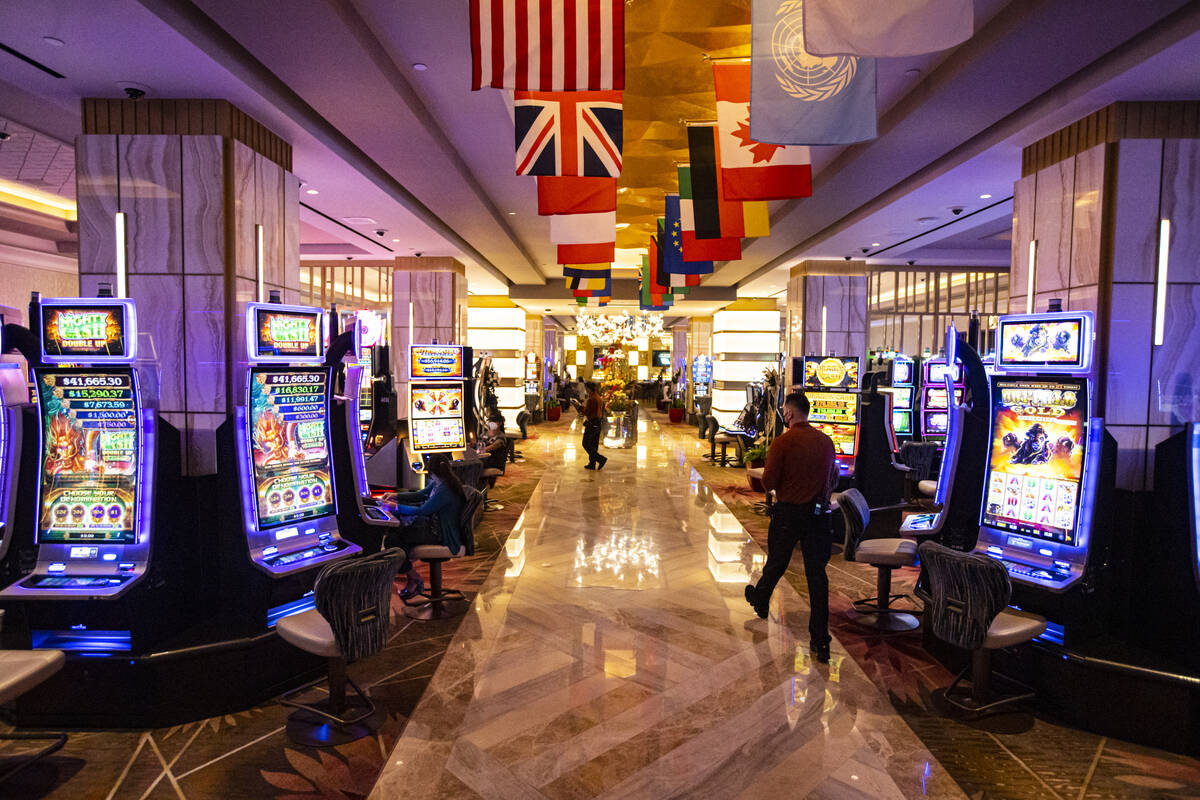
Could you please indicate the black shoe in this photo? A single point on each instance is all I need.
(820, 652)
(752, 598)
(603, 461)
(589, 466)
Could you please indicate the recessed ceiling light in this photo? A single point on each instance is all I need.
(311, 191)
(359, 221)
(874, 244)
(985, 197)
(512, 213)
(396, 240)
(622, 226)
(420, 67)
(53, 41)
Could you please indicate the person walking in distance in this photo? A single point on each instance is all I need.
(592, 421)
(801, 472)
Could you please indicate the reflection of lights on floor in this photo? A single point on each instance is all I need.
(515, 544)
(515, 566)
(619, 663)
(727, 571)
(725, 522)
(641, 455)
(622, 556)
(569, 453)
(725, 547)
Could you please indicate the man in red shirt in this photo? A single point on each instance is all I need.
(593, 413)
(801, 471)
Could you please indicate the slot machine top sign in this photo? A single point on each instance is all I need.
(436, 361)
(100, 331)
(284, 334)
(1058, 342)
(834, 372)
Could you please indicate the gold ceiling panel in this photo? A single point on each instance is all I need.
(668, 81)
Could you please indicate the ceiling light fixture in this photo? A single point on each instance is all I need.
(420, 67)
(985, 197)
(395, 241)
(512, 213)
(53, 41)
(622, 226)
(874, 244)
(311, 191)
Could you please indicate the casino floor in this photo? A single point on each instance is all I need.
(608, 652)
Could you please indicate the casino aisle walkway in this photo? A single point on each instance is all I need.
(614, 656)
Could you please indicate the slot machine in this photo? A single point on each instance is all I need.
(1050, 462)
(280, 526)
(107, 580)
(933, 407)
(878, 472)
(901, 389)
(437, 402)
(831, 385)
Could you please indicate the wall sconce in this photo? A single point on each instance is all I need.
(824, 320)
(122, 264)
(258, 259)
(1029, 279)
(1160, 280)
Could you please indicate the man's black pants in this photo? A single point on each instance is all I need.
(797, 524)
(591, 441)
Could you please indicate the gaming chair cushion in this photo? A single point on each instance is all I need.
(887, 552)
(927, 488)
(310, 632)
(1012, 627)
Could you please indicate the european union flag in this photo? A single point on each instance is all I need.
(799, 98)
(672, 244)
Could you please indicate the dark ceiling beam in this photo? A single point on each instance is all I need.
(622, 288)
(200, 29)
(1030, 59)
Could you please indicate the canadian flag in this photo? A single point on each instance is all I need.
(753, 170)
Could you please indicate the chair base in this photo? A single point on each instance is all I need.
(493, 505)
(979, 702)
(444, 609)
(311, 728)
(888, 621)
(57, 740)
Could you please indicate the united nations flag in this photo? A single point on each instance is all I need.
(800, 98)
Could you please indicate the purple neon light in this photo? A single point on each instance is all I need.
(129, 324)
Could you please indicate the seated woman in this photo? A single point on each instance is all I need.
(492, 446)
(430, 516)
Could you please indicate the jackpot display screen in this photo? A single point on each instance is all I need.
(435, 361)
(839, 407)
(902, 373)
(936, 371)
(435, 415)
(1035, 462)
(902, 397)
(1053, 342)
(289, 440)
(89, 462)
(902, 422)
(845, 437)
(283, 334)
(84, 332)
(935, 396)
(935, 423)
(833, 372)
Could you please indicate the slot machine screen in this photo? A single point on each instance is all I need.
(660, 358)
(83, 332)
(902, 397)
(902, 373)
(839, 407)
(366, 409)
(436, 418)
(844, 437)
(902, 422)
(1035, 462)
(935, 372)
(289, 440)
(283, 334)
(1054, 342)
(936, 423)
(935, 397)
(89, 462)
(833, 372)
(435, 361)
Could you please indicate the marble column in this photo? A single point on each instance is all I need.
(497, 329)
(1093, 197)
(429, 304)
(745, 344)
(826, 310)
(196, 181)
(699, 343)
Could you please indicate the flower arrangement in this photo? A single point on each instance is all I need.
(618, 402)
(610, 329)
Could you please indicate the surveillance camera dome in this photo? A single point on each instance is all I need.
(866, 249)
(911, 262)
(847, 258)
(5, 136)
(956, 210)
(380, 232)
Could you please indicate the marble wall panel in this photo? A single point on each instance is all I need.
(152, 199)
(813, 300)
(204, 332)
(202, 443)
(159, 301)
(89, 283)
(1024, 204)
(203, 213)
(1175, 370)
(1082, 298)
(1052, 225)
(856, 343)
(245, 207)
(1135, 227)
(856, 304)
(291, 232)
(1085, 219)
(1131, 455)
(1181, 205)
(96, 197)
(269, 180)
(1129, 354)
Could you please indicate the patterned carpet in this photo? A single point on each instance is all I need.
(248, 755)
(1014, 756)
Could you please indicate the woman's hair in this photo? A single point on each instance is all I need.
(442, 469)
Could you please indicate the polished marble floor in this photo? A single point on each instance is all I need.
(612, 655)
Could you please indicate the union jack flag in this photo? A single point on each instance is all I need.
(568, 133)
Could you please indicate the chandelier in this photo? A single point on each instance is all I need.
(623, 328)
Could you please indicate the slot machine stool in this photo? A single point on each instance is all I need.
(351, 621)
(968, 608)
(20, 671)
(883, 554)
(490, 475)
(439, 602)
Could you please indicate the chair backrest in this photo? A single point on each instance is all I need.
(858, 516)
(469, 471)
(354, 596)
(711, 427)
(919, 456)
(466, 522)
(968, 590)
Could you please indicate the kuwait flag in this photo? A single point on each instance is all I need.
(692, 247)
(752, 170)
(576, 195)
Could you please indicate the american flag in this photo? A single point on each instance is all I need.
(548, 45)
(568, 133)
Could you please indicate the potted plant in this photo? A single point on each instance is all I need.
(553, 410)
(675, 414)
(755, 455)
